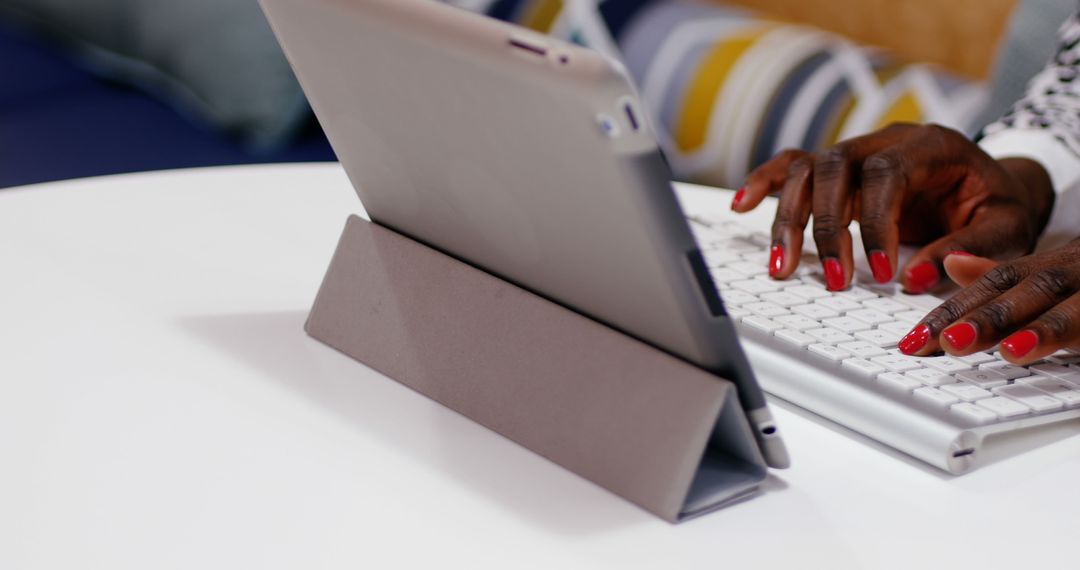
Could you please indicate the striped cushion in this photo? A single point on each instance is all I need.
(728, 89)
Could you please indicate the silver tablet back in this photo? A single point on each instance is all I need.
(525, 156)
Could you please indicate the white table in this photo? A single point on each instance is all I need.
(161, 407)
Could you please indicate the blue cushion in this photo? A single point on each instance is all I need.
(58, 121)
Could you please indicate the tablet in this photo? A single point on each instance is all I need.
(522, 155)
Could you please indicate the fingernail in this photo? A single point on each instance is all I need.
(922, 277)
(776, 260)
(960, 253)
(738, 198)
(834, 274)
(960, 336)
(1021, 343)
(880, 266)
(915, 340)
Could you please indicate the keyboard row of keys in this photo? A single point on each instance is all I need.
(860, 329)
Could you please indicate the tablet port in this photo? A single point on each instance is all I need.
(631, 116)
(528, 47)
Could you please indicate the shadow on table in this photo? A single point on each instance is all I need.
(507, 474)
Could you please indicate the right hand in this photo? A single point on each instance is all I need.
(912, 184)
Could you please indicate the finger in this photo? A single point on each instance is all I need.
(832, 210)
(997, 230)
(989, 323)
(964, 268)
(922, 339)
(884, 181)
(765, 179)
(1055, 329)
(792, 215)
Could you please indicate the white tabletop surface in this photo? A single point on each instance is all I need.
(161, 407)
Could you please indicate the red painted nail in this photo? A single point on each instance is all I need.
(960, 253)
(1021, 343)
(922, 277)
(915, 340)
(960, 336)
(738, 198)
(834, 274)
(880, 266)
(776, 260)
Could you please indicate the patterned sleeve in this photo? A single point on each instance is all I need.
(1044, 126)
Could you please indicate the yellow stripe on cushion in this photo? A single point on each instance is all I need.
(904, 110)
(542, 15)
(700, 98)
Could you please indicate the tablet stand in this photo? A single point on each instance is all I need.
(633, 419)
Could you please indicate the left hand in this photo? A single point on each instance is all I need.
(1031, 306)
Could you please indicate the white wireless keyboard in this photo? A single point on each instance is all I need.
(835, 354)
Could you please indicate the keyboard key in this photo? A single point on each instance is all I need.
(808, 292)
(862, 367)
(782, 298)
(1051, 370)
(897, 362)
(885, 305)
(911, 317)
(828, 335)
(1004, 407)
(870, 316)
(1064, 357)
(946, 364)
(795, 337)
(966, 392)
(976, 358)
(974, 413)
(983, 378)
(898, 382)
(1031, 397)
(732, 297)
(1073, 379)
(737, 313)
(846, 324)
(863, 349)
(755, 286)
(762, 324)
(930, 377)
(1009, 371)
(719, 257)
(839, 304)
(725, 276)
(924, 303)
(762, 240)
(878, 337)
(829, 352)
(748, 268)
(816, 312)
(763, 309)
(899, 329)
(1063, 391)
(857, 293)
(759, 257)
(735, 244)
(798, 322)
(935, 396)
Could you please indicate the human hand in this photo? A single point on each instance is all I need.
(1030, 305)
(912, 184)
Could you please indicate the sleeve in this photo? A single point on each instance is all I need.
(1044, 126)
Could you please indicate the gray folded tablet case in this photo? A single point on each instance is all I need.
(633, 419)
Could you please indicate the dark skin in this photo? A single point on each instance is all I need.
(931, 186)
